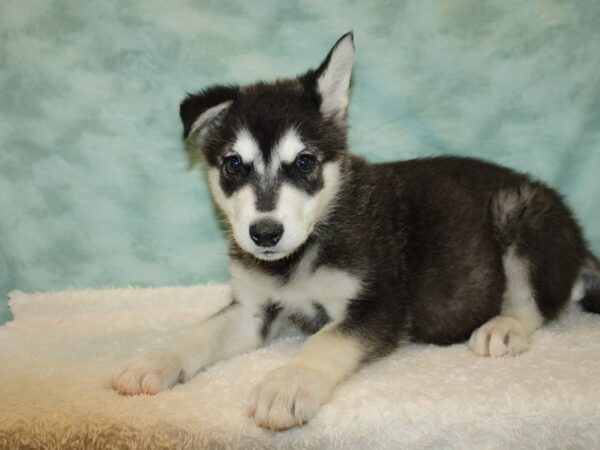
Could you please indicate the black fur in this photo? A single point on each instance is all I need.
(426, 236)
(267, 111)
(591, 283)
(591, 302)
(270, 312)
(194, 105)
(310, 325)
(305, 323)
(438, 251)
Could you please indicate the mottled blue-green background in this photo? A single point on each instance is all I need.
(93, 183)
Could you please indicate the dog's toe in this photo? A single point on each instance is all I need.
(148, 374)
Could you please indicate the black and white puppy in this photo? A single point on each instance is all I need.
(364, 257)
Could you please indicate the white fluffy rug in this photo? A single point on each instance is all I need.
(58, 356)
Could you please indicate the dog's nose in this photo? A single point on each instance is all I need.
(266, 232)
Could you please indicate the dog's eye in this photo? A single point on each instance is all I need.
(233, 164)
(305, 162)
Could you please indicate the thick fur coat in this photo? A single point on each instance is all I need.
(361, 256)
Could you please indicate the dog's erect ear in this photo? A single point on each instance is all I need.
(333, 78)
(201, 110)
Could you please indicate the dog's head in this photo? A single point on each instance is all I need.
(273, 151)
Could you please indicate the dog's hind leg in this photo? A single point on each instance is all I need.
(510, 332)
(543, 252)
(235, 329)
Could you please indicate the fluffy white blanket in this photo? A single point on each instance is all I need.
(58, 356)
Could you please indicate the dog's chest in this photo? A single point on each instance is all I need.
(331, 288)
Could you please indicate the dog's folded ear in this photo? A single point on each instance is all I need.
(201, 110)
(332, 79)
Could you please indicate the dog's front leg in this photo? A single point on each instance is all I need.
(231, 331)
(292, 395)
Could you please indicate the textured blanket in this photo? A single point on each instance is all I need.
(58, 356)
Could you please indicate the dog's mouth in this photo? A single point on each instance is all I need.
(270, 255)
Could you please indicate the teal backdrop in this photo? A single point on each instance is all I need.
(94, 189)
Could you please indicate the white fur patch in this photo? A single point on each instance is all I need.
(287, 148)
(578, 291)
(518, 300)
(243, 213)
(247, 148)
(228, 333)
(293, 394)
(240, 209)
(510, 333)
(334, 83)
(220, 199)
(207, 116)
(332, 288)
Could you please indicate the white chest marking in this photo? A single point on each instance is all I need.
(332, 288)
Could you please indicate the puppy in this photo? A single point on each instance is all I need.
(362, 257)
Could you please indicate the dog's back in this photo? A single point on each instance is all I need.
(444, 238)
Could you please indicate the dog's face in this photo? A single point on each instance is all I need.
(273, 151)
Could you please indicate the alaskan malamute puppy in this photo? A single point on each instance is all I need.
(363, 257)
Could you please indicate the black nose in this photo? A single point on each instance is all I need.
(266, 232)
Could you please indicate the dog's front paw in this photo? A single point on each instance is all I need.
(500, 336)
(287, 397)
(149, 374)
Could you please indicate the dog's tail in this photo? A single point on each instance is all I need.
(590, 278)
